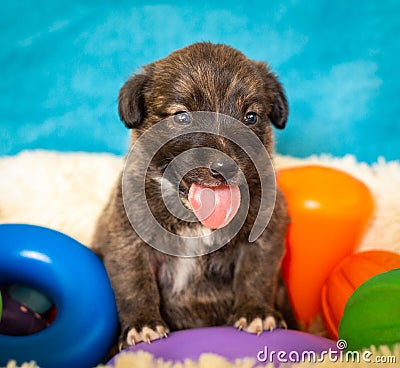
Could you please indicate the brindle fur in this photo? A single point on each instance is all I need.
(240, 280)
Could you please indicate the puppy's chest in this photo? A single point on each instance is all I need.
(179, 275)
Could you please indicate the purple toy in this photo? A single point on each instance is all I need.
(279, 346)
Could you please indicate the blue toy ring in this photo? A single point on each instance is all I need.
(76, 281)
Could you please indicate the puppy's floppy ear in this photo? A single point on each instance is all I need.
(131, 105)
(280, 109)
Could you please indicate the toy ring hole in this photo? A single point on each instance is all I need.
(25, 310)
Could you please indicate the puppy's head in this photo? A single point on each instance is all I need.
(205, 77)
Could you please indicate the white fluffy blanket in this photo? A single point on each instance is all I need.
(66, 191)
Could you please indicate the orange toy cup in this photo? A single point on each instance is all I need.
(347, 276)
(329, 212)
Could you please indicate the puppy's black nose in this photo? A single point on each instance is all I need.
(223, 167)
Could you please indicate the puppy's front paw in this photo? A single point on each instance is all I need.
(259, 322)
(146, 334)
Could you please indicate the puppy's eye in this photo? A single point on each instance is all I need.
(182, 118)
(250, 118)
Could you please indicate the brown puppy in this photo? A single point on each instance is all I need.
(237, 284)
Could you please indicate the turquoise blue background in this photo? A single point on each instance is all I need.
(63, 62)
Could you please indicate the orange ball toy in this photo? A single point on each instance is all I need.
(329, 212)
(347, 276)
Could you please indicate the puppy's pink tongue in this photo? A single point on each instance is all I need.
(215, 207)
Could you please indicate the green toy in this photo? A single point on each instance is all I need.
(372, 313)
